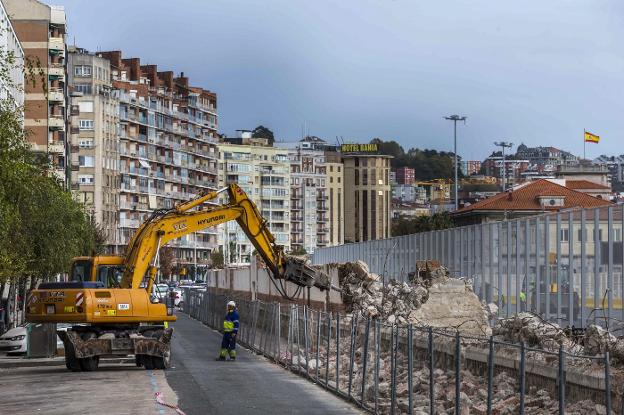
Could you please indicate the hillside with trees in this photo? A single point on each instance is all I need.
(427, 164)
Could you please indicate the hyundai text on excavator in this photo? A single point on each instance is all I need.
(109, 298)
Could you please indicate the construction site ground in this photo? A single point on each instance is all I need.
(115, 388)
(249, 385)
(195, 382)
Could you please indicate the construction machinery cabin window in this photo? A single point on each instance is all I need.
(110, 275)
(81, 271)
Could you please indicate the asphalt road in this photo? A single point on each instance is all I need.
(249, 385)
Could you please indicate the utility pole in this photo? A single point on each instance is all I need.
(455, 118)
(503, 145)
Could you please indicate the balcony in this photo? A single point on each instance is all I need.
(296, 218)
(56, 70)
(56, 44)
(56, 122)
(128, 223)
(56, 148)
(56, 95)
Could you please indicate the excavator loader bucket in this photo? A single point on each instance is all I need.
(298, 272)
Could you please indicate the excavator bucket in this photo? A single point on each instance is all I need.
(300, 273)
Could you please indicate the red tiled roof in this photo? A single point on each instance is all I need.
(585, 184)
(527, 198)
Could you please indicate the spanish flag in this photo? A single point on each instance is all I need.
(591, 138)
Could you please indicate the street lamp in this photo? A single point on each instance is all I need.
(503, 145)
(455, 118)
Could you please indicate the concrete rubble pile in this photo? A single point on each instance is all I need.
(505, 397)
(431, 298)
(549, 336)
(597, 341)
(535, 332)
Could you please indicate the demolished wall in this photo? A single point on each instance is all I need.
(431, 298)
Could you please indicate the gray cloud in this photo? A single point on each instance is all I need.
(533, 71)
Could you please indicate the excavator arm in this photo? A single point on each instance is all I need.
(164, 226)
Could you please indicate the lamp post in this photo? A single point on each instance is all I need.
(503, 145)
(455, 118)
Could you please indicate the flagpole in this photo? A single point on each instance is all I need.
(584, 144)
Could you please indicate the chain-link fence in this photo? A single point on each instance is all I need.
(416, 370)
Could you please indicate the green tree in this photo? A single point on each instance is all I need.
(216, 259)
(427, 164)
(41, 226)
(406, 226)
(166, 260)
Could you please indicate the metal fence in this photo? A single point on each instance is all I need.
(407, 369)
(566, 266)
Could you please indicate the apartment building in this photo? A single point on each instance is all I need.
(263, 173)
(167, 149)
(11, 87)
(404, 175)
(367, 193)
(41, 31)
(94, 122)
(334, 170)
(309, 198)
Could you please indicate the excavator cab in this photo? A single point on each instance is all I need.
(106, 270)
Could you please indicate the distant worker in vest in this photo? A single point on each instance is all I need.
(230, 330)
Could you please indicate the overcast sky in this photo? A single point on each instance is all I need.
(530, 71)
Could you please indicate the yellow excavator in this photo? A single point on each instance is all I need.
(110, 300)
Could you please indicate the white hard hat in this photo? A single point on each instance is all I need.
(231, 304)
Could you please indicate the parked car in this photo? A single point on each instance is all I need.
(14, 340)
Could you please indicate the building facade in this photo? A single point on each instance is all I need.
(404, 175)
(94, 140)
(334, 170)
(264, 174)
(167, 150)
(367, 196)
(309, 199)
(11, 88)
(41, 31)
(411, 194)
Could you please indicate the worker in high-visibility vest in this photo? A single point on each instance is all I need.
(522, 301)
(230, 330)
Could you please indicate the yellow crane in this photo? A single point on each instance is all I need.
(109, 297)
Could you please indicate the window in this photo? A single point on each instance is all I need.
(85, 106)
(86, 124)
(86, 143)
(564, 235)
(84, 88)
(86, 161)
(617, 235)
(85, 179)
(82, 70)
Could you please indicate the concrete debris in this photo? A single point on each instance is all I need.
(505, 396)
(597, 341)
(431, 298)
(535, 332)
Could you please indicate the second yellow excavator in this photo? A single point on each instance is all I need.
(110, 297)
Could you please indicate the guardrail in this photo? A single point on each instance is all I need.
(387, 368)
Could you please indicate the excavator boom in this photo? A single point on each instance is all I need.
(113, 294)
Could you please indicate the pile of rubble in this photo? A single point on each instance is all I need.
(505, 395)
(431, 298)
(536, 332)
